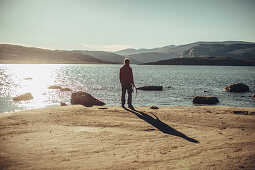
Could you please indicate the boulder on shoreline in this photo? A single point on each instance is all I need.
(55, 87)
(26, 96)
(239, 87)
(63, 104)
(205, 100)
(154, 107)
(151, 88)
(85, 99)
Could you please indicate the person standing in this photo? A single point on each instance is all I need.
(126, 81)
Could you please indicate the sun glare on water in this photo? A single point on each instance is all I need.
(34, 79)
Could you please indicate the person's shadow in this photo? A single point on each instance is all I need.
(157, 123)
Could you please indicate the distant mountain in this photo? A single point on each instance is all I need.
(108, 56)
(226, 50)
(237, 49)
(213, 61)
(12, 54)
(131, 51)
(152, 56)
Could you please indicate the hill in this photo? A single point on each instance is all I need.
(131, 51)
(237, 49)
(228, 52)
(240, 50)
(108, 56)
(15, 54)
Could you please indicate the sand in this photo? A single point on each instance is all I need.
(78, 137)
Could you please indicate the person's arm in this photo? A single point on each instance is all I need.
(132, 78)
(120, 76)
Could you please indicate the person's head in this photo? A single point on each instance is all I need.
(126, 61)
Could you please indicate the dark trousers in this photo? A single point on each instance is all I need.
(126, 87)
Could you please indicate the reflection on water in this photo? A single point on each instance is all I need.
(102, 82)
(20, 79)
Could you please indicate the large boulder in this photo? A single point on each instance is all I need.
(26, 96)
(239, 87)
(151, 88)
(85, 99)
(205, 100)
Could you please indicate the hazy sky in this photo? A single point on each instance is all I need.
(116, 24)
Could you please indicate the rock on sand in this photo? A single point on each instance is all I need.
(85, 99)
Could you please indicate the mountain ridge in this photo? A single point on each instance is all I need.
(131, 51)
(178, 51)
(208, 61)
(17, 54)
(240, 50)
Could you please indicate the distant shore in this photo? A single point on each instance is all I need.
(46, 62)
(207, 61)
(178, 137)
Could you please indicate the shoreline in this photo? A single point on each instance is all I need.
(171, 137)
(161, 106)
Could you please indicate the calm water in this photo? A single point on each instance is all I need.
(181, 84)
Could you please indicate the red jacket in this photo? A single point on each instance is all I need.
(126, 74)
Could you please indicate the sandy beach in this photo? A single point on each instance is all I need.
(78, 137)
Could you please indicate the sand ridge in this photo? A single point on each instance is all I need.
(78, 137)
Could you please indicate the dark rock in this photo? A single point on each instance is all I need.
(205, 100)
(154, 107)
(151, 88)
(26, 96)
(63, 104)
(65, 89)
(240, 112)
(239, 87)
(55, 87)
(253, 97)
(85, 99)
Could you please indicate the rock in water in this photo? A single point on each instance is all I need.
(65, 89)
(239, 87)
(253, 97)
(85, 99)
(205, 100)
(26, 96)
(28, 78)
(151, 88)
(55, 87)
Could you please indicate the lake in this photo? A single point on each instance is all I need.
(180, 84)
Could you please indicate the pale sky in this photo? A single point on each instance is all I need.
(112, 25)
